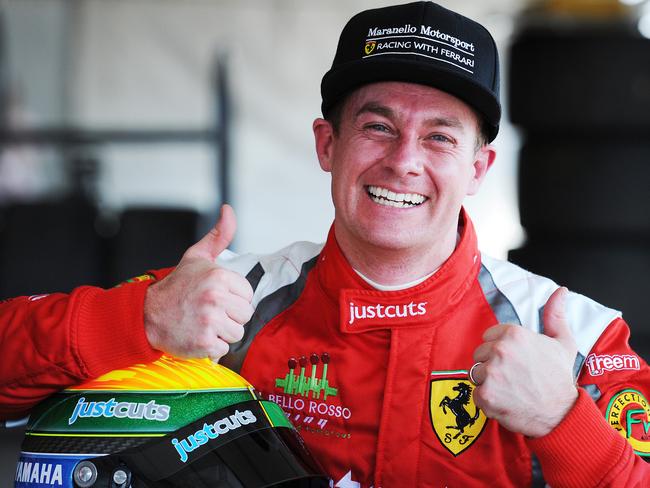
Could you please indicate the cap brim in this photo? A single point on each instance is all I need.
(355, 74)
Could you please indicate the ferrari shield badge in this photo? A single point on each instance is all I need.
(456, 421)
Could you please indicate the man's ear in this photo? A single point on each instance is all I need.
(483, 160)
(324, 138)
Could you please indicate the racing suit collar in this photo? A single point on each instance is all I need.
(363, 308)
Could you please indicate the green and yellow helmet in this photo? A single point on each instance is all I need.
(170, 423)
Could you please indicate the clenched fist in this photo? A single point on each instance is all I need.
(525, 380)
(200, 308)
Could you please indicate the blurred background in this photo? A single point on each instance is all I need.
(124, 124)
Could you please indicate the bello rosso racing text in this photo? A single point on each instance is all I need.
(311, 407)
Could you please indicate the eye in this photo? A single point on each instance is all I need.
(441, 138)
(378, 127)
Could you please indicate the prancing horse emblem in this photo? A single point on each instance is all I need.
(457, 406)
(456, 421)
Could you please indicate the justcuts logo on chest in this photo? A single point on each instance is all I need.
(360, 312)
(380, 311)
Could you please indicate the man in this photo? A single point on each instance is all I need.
(404, 356)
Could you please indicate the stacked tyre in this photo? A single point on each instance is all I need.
(581, 95)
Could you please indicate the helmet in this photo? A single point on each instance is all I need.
(170, 423)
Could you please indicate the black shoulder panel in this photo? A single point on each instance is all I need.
(255, 275)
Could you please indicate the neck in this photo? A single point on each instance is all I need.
(395, 266)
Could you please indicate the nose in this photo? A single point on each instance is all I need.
(406, 156)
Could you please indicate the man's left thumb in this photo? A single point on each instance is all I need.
(555, 322)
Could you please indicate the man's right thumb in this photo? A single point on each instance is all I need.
(554, 318)
(218, 239)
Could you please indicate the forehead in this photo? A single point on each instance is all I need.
(409, 100)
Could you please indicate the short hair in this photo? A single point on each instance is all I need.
(335, 113)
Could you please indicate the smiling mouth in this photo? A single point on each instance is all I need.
(383, 196)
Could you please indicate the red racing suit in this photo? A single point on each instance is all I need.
(376, 381)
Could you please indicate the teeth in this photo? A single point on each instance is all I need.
(386, 197)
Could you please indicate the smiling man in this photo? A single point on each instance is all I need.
(403, 355)
(402, 159)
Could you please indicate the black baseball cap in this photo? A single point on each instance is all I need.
(419, 42)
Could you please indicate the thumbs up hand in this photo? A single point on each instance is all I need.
(200, 308)
(525, 380)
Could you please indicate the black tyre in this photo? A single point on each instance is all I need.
(580, 78)
(582, 185)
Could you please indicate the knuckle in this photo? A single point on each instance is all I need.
(208, 296)
(205, 339)
(219, 349)
(512, 333)
(249, 313)
(249, 290)
(499, 350)
(205, 319)
(485, 398)
(218, 277)
(239, 333)
(216, 273)
(235, 333)
(490, 372)
(225, 334)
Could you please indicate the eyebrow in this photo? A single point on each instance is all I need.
(384, 111)
(453, 122)
(376, 108)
